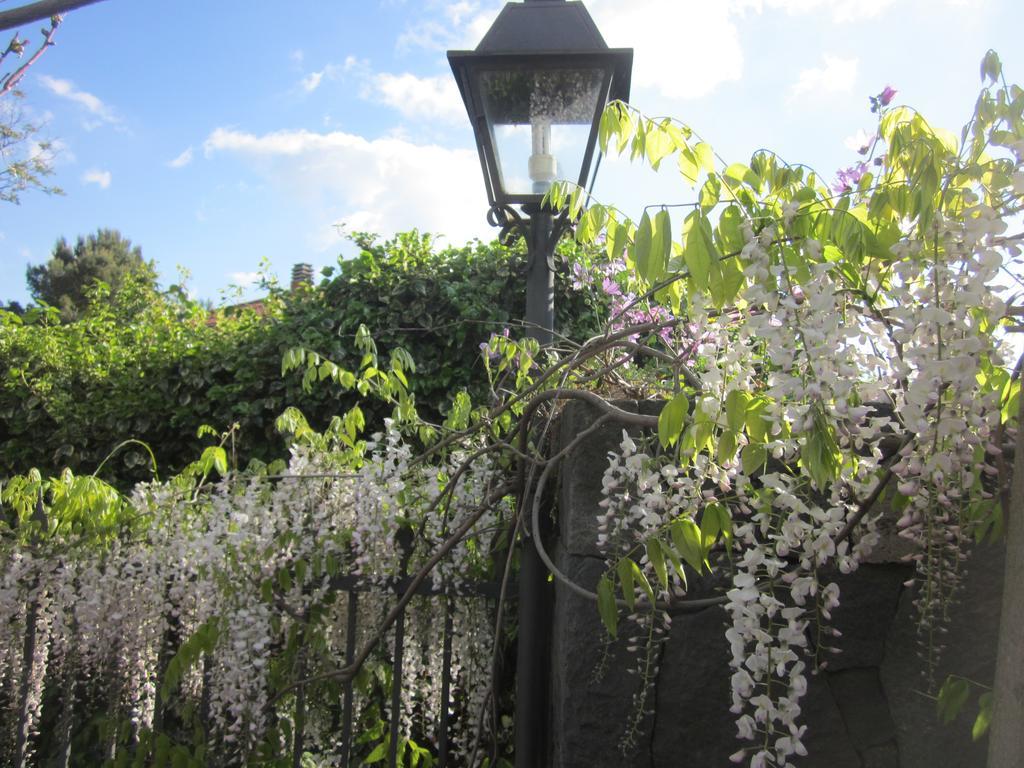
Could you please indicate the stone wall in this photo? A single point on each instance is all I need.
(865, 711)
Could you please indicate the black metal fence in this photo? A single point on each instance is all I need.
(354, 587)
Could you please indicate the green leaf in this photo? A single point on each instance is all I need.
(606, 605)
(991, 67)
(687, 539)
(736, 403)
(710, 193)
(721, 512)
(284, 578)
(671, 418)
(618, 236)
(732, 279)
(658, 145)
(625, 571)
(757, 424)
(379, 753)
(695, 252)
(1011, 401)
(661, 244)
(653, 246)
(657, 558)
(609, 127)
(220, 461)
(753, 457)
(742, 173)
(984, 718)
(688, 165)
(728, 441)
(819, 454)
(640, 578)
(705, 156)
(730, 233)
(626, 128)
(952, 697)
(642, 247)
(709, 530)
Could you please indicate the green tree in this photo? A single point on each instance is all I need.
(106, 256)
(26, 160)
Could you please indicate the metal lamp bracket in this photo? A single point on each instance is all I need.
(514, 225)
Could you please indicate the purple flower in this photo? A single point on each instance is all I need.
(490, 347)
(848, 178)
(885, 97)
(610, 287)
(581, 277)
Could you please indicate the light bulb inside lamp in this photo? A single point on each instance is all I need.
(543, 166)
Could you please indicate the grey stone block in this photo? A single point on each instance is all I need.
(923, 741)
(882, 756)
(868, 599)
(865, 712)
(580, 477)
(694, 727)
(826, 739)
(589, 713)
(858, 694)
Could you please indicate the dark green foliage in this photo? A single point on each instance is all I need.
(63, 282)
(140, 364)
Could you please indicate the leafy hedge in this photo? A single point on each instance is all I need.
(151, 366)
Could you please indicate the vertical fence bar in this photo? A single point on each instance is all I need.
(350, 655)
(446, 686)
(396, 689)
(298, 747)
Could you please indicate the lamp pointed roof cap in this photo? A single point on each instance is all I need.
(542, 26)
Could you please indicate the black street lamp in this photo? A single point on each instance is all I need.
(535, 89)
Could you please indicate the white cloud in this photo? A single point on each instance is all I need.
(836, 75)
(425, 98)
(460, 10)
(99, 178)
(682, 50)
(181, 160)
(860, 10)
(461, 25)
(382, 185)
(312, 81)
(92, 104)
(842, 10)
(244, 279)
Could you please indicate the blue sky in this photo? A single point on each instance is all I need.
(217, 134)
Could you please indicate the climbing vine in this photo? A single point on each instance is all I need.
(823, 351)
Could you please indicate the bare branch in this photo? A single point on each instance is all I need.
(10, 81)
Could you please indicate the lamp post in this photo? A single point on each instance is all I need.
(535, 88)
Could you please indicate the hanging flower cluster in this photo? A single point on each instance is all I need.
(221, 597)
(846, 348)
(818, 350)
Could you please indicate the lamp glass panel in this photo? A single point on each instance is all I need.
(541, 122)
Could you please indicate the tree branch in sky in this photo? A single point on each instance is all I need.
(17, 47)
(44, 9)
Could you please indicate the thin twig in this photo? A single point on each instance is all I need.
(349, 672)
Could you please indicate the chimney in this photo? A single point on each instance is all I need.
(302, 274)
